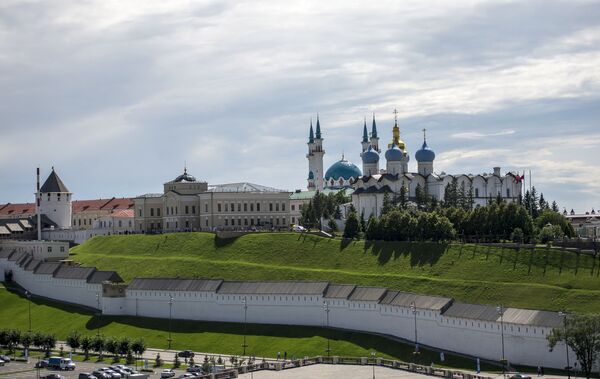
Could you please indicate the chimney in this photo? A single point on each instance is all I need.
(497, 171)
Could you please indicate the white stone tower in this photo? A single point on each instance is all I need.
(315, 158)
(55, 201)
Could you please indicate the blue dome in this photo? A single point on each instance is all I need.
(394, 154)
(370, 156)
(342, 169)
(425, 154)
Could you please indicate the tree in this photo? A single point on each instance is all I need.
(111, 345)
(49, 343)
(138, 347)
(27, 340)
(582, 335)
(74, 340)
(403, 198)
(352, 227)
(337, 214)
(38, 340)
(14, 337)
(3, 337)
(555, 206)
(86, 346)
(420, 197)
(176, 361)
(387, 205)
(332, 225)
(451, 194)
(373, 231)
(98, 345)
(123, 346)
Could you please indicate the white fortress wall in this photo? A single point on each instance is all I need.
(524, 343)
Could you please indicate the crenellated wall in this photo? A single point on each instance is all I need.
(524, 344)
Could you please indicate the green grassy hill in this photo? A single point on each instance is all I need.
(543, 279)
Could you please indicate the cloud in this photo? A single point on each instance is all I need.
(110, 91)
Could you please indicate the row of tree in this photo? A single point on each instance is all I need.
(12, 338)
(322, 207)
(117, 347)
(498, 221)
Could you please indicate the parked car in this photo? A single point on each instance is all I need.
(86, 375)
(519, 376)
(102, 375)
(1, 363)
(186, 354)
(41, 364)
(53, 376)
(186, 376)
(61, 363)
(167, 373)
(194, 368)
(5, 358)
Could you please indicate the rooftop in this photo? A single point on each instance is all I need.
(242, 187)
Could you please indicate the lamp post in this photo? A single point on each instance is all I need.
(500, 310)
(373, 355)
(564, 316)
(326, 309)
(99, 313)
(28, 295)
(413, 308)
(244, 345)
(170, 318)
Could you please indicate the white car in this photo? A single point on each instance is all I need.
(167, 373)
(299, 228)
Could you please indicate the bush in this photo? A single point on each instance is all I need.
(352, 228)
(517, 235)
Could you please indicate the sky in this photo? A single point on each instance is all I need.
(119, 96)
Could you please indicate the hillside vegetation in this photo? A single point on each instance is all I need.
(540, 279)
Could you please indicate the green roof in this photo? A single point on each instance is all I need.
(307, 195)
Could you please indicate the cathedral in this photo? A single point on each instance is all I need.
(369, 186)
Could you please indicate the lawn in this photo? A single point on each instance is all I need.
(220, 338)
(539, 279)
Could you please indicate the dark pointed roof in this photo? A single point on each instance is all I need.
(53, 184)
(311, 134)
(365, 134)
(374, 128)
(318, 135)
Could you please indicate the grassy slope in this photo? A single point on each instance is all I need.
(221, 338)
(542, 279)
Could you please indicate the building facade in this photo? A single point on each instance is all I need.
(188, 204)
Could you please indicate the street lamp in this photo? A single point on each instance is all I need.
(413, 308)
(326, 309)
(373, 355)
(170, 318)
(28, 295)
(564, 316)
(245, 303)
(500, 310)
(99, 313)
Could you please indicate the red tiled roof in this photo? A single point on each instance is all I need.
(17, 209)
(123, 213)
(102, 204)
(113, 204)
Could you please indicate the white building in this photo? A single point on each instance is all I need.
(371, 184)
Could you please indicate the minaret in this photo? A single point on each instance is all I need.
(315, 158)
(365, 139)
(374, 137)
(55, 201)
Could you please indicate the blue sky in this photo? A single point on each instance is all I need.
(118, 95)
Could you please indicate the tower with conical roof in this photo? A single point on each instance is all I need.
(365, 138)
(315, 158)
(55, 201)
(425, 157)
(374, 136)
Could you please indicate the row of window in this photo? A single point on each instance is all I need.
(231, 207)
(58, 197)
(272, 221)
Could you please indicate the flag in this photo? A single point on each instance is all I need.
(519, 178)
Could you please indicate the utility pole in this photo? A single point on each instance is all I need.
(500, 310)
(245, 303)
(326, 309)
(413, 308)
(564, 316)
(170, 318)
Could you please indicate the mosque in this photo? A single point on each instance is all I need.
(369, 185)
